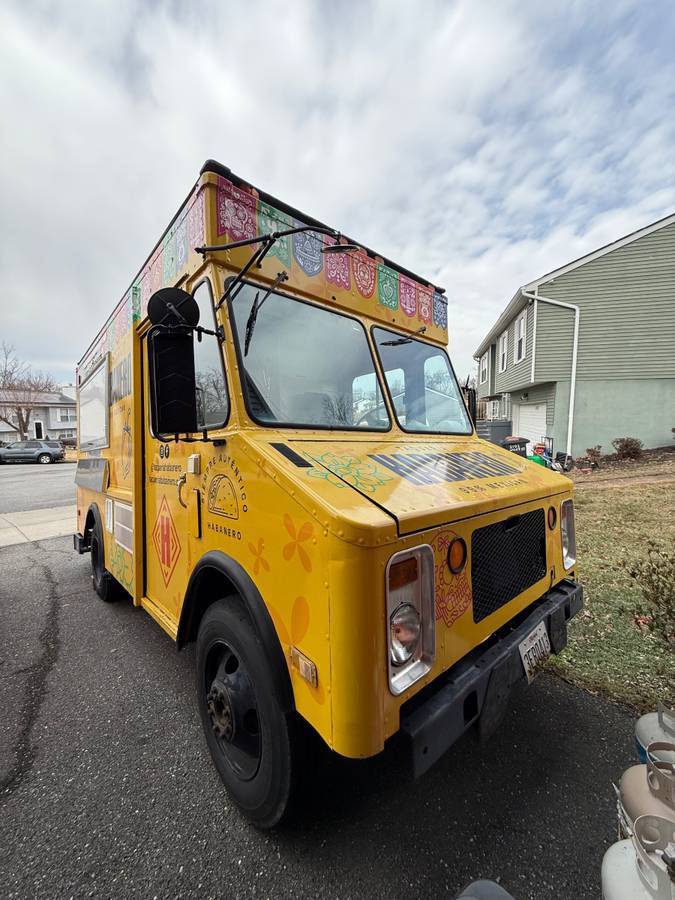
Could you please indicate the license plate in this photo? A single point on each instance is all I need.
(534, 650)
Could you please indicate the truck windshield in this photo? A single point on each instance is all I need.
(422, 385)
(306, 365)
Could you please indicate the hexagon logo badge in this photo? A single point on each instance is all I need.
(165, 539)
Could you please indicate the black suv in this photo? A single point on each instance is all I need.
(32, 451)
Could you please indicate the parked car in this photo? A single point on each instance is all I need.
(32, 451)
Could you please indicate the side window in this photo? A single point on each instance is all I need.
(213, 405)
(483, 368)
(31, 445)
(519, 348)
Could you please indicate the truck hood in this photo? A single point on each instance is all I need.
(429, 483)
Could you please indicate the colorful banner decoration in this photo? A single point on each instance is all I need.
(337, 268)
(407, 295)
(236, 212)
(364, 270)
(269, 220)
(424, 303)
(440, 311)
(307, 251)
(387, 286)
(241, 215)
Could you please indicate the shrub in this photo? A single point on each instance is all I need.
(655, 576)
(627, 447)
(594, 453)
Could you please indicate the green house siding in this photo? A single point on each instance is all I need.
(555, 339)
(627, 319)
(517, 375)
(613, 408)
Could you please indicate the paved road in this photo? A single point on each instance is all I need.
(25, 486)
(106, 788)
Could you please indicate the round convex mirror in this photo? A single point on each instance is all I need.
(173, 306)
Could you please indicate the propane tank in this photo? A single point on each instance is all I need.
(655, 726)
(643, 866)
(647, 790)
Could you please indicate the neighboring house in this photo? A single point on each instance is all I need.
(53, 415)
(586, 353)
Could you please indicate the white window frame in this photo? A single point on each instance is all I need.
(483, 368)
(503, 347)
(522, 318)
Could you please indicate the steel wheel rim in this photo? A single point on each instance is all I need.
(232, 710)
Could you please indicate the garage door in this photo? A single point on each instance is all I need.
(530, 421)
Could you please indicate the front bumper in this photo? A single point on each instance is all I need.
(477, 688)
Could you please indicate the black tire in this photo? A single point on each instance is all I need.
(102, 581)
(254, 744)
(44, 459)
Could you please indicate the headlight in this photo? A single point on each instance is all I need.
(410, 616)
(405, 633)
(569, 541)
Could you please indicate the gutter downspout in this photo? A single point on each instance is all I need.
(575, 346)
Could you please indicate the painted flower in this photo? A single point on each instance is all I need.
(298, 538)
(294, 636)
(259, 560)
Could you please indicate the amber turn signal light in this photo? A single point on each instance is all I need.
(457, 555)
(552, 517)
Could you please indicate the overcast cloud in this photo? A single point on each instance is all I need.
(479, 144)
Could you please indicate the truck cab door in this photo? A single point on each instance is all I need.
(173, 502)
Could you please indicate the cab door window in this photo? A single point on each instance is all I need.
(213, 405)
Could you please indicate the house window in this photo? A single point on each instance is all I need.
(493, 409)
(67, 415)
(483, 368)
(503, 351)
(519, 344)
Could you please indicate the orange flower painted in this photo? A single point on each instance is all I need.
(297, 539)
(260, 562)
(298, 630)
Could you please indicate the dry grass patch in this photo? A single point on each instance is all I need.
(610, 649)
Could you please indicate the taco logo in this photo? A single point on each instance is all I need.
(222, 499)
(223, 487)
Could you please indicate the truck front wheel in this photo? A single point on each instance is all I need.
(252, 740)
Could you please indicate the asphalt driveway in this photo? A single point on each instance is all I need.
(106, 787)
(26, 486)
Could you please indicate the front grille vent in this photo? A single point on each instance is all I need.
(506, 558)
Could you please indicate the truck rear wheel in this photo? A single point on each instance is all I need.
(252, 740)
(103, 582)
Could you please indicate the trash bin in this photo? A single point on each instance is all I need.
(516, 445)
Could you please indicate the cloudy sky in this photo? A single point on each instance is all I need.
(478, 143)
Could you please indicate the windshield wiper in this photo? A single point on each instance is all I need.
(253, 315)
(396, 343)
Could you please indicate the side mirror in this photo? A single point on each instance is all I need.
(171, 358)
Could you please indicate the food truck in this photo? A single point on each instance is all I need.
(276, 463)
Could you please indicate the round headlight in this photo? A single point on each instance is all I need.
(404, 633)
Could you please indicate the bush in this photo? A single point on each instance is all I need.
(655, 576)
(593, 454)
(627, 447)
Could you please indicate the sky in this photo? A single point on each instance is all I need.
(479, 144)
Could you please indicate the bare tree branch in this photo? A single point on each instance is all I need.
(20, 389)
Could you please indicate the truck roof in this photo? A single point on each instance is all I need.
(187, 229)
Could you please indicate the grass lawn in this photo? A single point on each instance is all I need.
(607, 652)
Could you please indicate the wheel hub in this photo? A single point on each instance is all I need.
(220, 711)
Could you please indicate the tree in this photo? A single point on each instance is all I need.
(20, 388)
